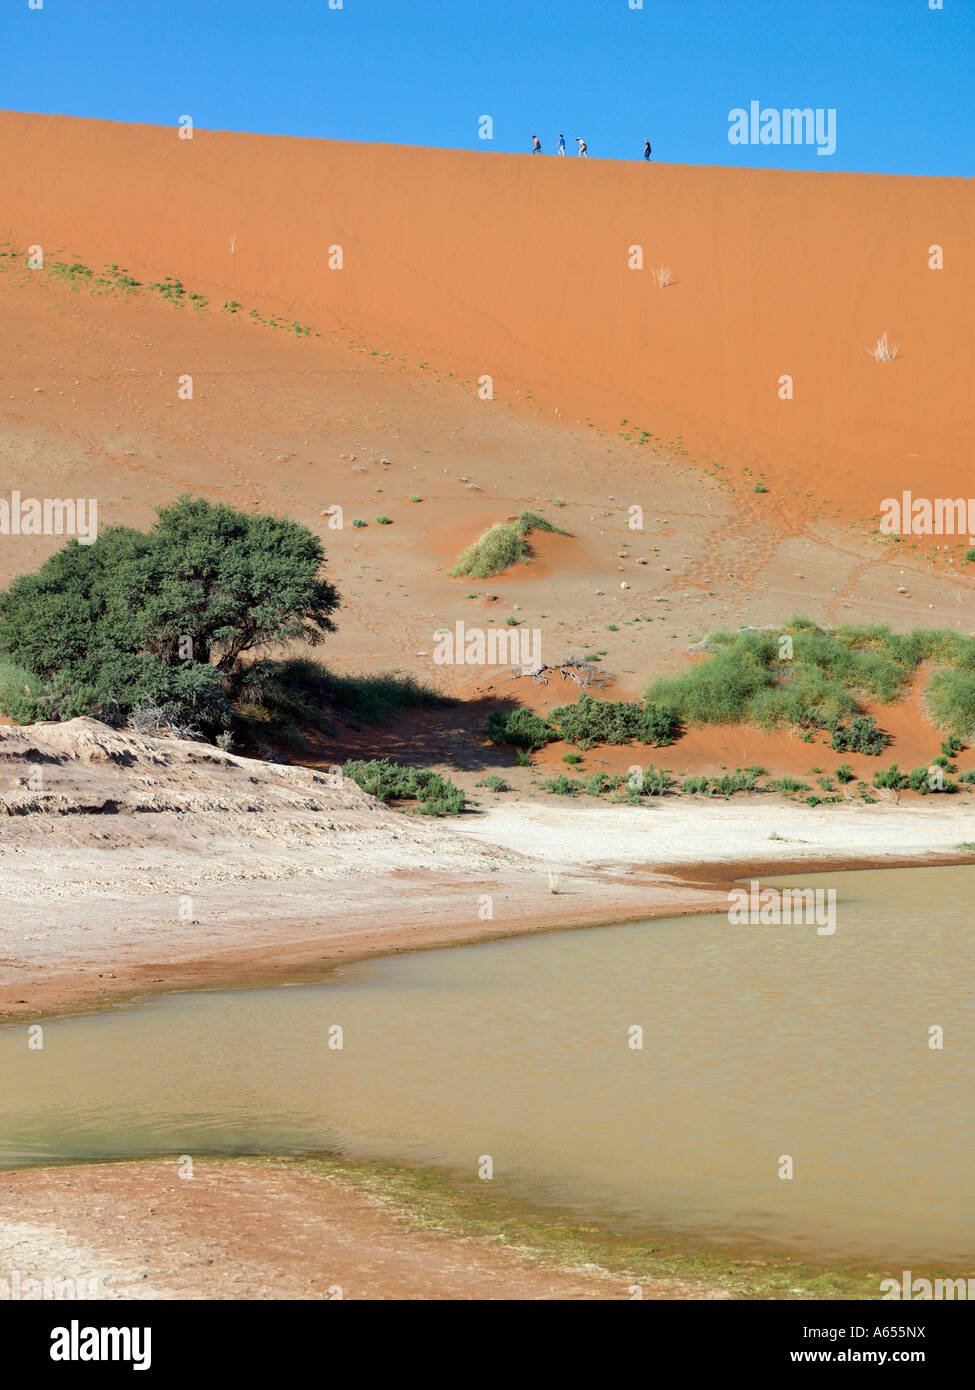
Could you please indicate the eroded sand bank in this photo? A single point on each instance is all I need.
(148, 863)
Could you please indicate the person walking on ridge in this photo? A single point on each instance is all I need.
(561, 149)
(536, 145)
(647, 152)
(583, 148)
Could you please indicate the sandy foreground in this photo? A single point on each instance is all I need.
(138, 1231)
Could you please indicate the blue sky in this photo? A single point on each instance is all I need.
(900, 76)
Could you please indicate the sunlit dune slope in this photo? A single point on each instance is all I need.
(518, 269)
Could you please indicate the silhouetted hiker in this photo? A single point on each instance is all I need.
(561, 149)
(584, 152)
(536, 145)
(646, 149)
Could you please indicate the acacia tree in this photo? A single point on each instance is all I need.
(166, 615)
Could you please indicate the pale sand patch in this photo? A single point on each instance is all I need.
(690, 831)
(43, 1261)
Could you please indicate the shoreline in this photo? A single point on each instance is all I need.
(145, 864)
(676, 890)
(385, 1229)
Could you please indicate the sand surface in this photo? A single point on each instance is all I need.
(518, 268)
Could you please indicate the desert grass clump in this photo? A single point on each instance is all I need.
(494, 783)
(885, 350)
(663, 277)
(951, 693)
(812, 678)
(695, 786)
(741, 780)
(787, 785)
(501, 546)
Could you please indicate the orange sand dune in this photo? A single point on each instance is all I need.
(517, 268)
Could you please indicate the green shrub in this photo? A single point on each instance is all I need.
(696, 786)
(383, 520)
(561, 785)
(788, 784)
(436, 795)
(656, 781)
(845, 773)
(520, 727)
(729, 783)
(863, 735)
(494, 783)
(590, 721)
(890, 777)
(746, 677)
(23, 697)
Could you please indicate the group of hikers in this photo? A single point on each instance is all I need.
(583, 148)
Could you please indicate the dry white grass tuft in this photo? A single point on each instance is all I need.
(885, 351)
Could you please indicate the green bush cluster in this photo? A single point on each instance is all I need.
(589, 721)
(521, 728)
(436, 795)
(585, 723)
(746, 677)
(862, 735)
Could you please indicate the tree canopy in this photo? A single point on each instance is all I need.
(164, 616)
